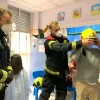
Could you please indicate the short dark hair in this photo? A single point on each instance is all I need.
(16, 63)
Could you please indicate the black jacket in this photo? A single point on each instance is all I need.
(56, 49)
(5, 69)
(4, 51)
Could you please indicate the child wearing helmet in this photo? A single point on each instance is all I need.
(87, 65)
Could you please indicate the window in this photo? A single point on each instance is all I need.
(20, 39)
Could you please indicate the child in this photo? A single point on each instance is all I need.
(19, 88)
(87, 60)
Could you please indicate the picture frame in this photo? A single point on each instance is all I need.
(61, 16)
(76, 13)
(95, 9)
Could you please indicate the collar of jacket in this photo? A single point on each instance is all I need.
(2, 34)
(51, 37)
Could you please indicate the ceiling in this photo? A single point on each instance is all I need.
(39, 5)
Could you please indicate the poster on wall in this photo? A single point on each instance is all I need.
(61, 16)
(41, 48)
(95, 9)
(76, 13)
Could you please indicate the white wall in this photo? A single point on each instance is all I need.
(85, 19)
(3, 3)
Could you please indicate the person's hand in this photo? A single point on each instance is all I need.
(87, 42)
(97, 42)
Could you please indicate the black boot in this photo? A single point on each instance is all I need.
(60, 95)
(44, 96)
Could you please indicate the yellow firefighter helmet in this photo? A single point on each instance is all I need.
(89, 33)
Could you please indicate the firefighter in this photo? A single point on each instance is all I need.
(87, 60)
(56, 64)
(6, 72)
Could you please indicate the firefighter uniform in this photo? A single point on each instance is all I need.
(6, 72)
(56, 65)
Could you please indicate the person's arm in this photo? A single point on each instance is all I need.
(54, 45)
(6, 76)
(97, 43)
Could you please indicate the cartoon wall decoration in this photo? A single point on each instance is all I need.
(95, 9)
(76, 13)
(61, 16)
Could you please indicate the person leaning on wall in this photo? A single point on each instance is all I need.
(6, 72)
(56, 64)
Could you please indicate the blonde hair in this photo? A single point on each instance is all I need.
(50, 26)
(4, 11)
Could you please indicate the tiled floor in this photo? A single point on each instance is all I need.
(52, 97)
